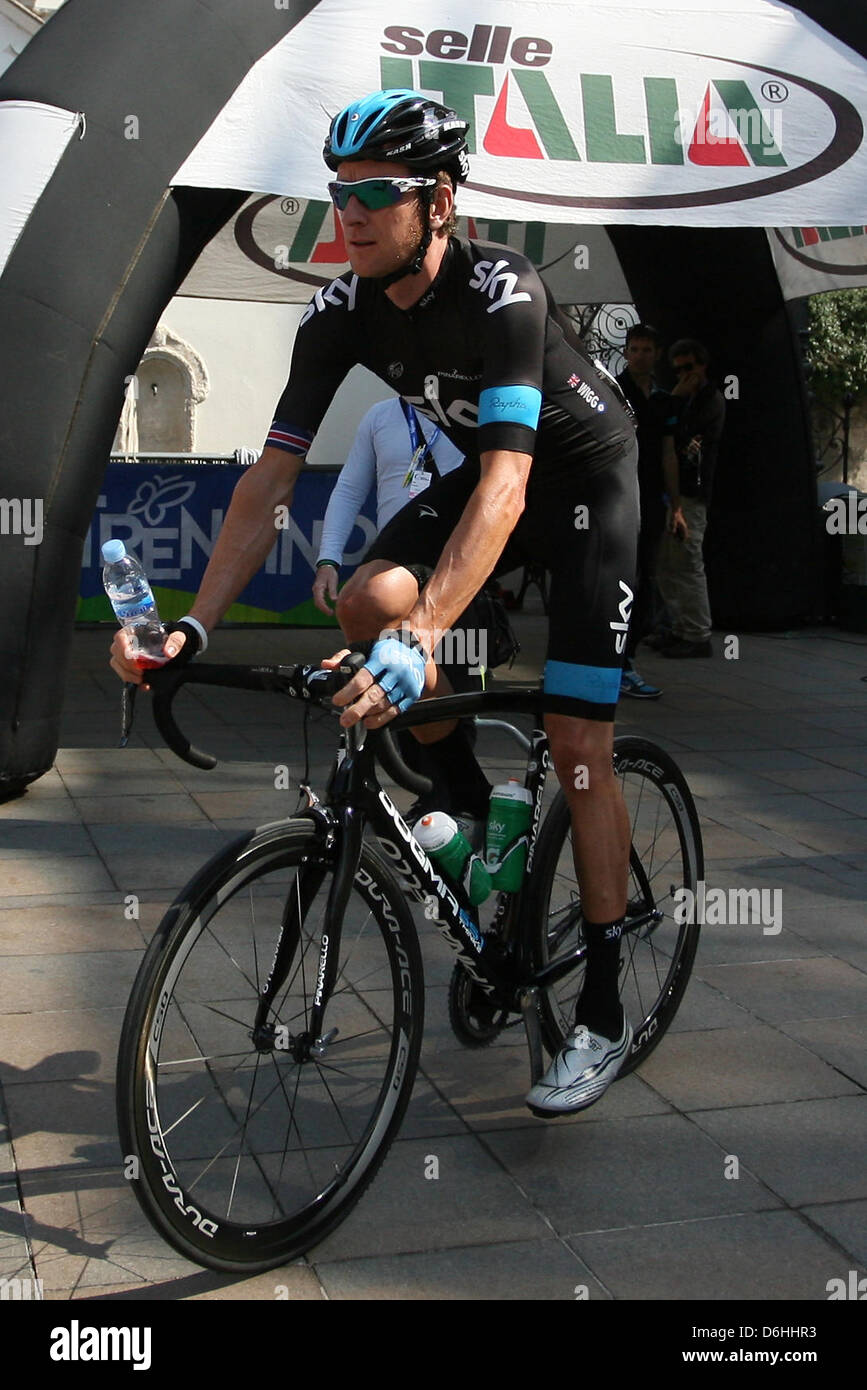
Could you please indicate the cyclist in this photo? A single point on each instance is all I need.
(469, 335)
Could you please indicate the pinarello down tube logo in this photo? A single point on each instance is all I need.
(843, 144)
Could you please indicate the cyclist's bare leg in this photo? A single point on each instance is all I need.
(582, 753)
(377, 597)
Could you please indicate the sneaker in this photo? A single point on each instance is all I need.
(632, 684)
(657, 640)
(580, 1073)
(681, 647)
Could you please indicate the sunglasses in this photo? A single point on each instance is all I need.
(374, 194)
(685, 367)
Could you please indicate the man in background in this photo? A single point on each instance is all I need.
(689, 463)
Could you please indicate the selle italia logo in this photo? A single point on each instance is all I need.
(728, 129)
(828, 249)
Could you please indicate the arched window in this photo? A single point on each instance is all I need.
(160, 411)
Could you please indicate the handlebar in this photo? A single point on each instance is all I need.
(310, 683)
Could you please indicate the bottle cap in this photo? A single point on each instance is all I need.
(112, 551)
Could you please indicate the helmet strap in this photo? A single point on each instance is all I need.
(413, 266)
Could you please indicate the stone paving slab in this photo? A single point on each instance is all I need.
(607, 1172)
(806, 1151)
(740, 1066)
(472, 1201)
(779, 991)
(45, 983)
(762, 1256)
(539, 1269)
(842, 1042)
(846, 1222)
(82, 1042)
(85, 925)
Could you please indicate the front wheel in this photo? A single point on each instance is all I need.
(253, 1141)
(659, 942)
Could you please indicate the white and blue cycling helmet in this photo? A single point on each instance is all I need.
(402, 125)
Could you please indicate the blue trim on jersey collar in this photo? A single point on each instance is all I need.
(600, 685)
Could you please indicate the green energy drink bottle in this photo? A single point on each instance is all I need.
(452, 852)
(509, 813)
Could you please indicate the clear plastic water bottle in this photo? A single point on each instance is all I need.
(452, 852)
(131, 597)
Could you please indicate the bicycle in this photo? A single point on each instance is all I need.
(272, 1035)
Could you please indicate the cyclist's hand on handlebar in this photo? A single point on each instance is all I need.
(391, 680)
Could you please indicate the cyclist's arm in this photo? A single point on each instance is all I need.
(248, 532)
(475, 545)
(472, 550)
(356, 479)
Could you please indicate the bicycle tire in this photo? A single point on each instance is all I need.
(242, 1181)
(665, 855)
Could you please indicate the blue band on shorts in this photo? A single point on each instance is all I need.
(517, 405)
(598, 684)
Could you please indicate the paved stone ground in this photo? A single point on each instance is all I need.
(765, 1063)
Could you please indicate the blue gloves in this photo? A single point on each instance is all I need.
(398, 669)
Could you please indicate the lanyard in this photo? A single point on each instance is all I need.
(420, 446)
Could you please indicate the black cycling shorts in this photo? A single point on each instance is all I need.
(584, 531)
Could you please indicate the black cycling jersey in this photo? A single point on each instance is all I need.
(487, 354)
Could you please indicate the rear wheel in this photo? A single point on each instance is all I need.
(251, 1148)
(657, 947)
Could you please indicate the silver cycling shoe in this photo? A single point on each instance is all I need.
(581, 1072)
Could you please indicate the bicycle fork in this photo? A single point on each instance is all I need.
(345, 827)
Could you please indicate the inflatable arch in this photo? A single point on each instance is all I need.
(106, 120)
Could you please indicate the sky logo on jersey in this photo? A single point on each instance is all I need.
(337, 293)
(491, 278)
(517, 405)
(756, 128)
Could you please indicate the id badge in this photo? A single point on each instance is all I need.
(418, 482)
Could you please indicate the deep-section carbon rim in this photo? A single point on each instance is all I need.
(666, 854)
(249, 1155)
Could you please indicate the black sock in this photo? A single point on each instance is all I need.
(458, 781)
(599, 1006)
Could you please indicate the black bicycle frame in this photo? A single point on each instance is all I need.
(354, 797)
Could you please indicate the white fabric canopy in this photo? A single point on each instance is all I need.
(612, 111)
(33, 138)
